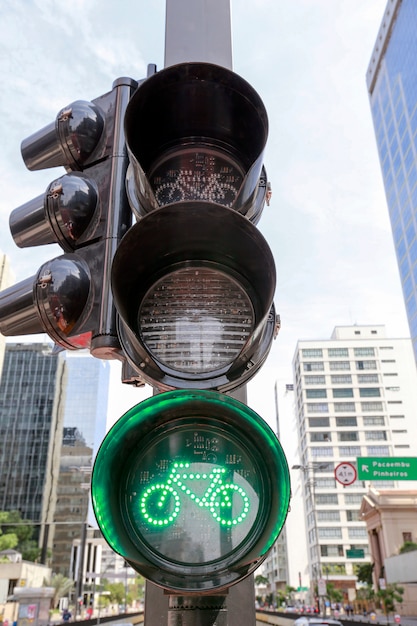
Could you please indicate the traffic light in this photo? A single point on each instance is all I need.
(192, 489)
(193, 280)
(86, 212)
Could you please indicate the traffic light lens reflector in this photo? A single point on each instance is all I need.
(196, 319)
(198, 173)
(194, 511)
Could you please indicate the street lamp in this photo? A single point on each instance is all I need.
(309, 470)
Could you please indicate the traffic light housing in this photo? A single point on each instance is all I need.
(192, 489)
(86, 212)
(196, 305)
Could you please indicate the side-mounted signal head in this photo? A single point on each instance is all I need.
(70, 140)
(55, 301)
(63, 214)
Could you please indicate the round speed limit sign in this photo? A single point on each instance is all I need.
(345, 473)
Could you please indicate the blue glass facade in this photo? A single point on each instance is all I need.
(32, 390)
(84, 427)
(392, 86)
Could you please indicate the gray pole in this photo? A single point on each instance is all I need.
(200, 30)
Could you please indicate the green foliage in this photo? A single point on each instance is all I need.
(117, 592)
(408, 546)
(365, 593)
(261, 580)
(364, 573)
(62, 587)
(16, 533)
(390, 595)
(334, 595)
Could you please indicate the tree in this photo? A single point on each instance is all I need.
(62, 587)
(408, 546)
(393, 593)
(117, 592)
(8, 538)
(334, 595)
(364, 573)
(16, 532)
(261, 580)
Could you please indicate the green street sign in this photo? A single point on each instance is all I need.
(359, 553)
(302, 588)
(387, 468)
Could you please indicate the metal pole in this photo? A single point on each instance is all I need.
(200, 30)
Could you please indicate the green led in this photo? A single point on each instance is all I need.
(228, 479)
(216, 496)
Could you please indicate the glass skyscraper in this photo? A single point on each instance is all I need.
(392, 87)
(84, 427)
(32, 398)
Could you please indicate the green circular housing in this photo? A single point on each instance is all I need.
(192, 488)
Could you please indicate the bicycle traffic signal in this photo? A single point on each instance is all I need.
(86, 212)
(201, 494)
(196, 305)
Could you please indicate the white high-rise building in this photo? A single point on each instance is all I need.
(355, 396)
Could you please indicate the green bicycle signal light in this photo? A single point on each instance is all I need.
(192, 488)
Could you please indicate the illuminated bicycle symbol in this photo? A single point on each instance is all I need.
(160, 503)
(211, 188)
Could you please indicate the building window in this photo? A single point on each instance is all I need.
(320, 436)
(330, 533)
(338, 352)
(366, 365)
(331, 550)
(375, 435)
(327, 498)
(309, 353)
(339, 365)
(318, 422)
(349, 420)
(377, 450)
(319, 407)
(364, 351)
(324, 467)
(407, 536)
(392, 388)
(341, 379)
(343, 393)
(322, 451)
(316, 393)
(357, 533)
(315, 380)
(341, 407)
(352, 516)
(369, 392)
(325, 483)
(349, 451)
(353, 498)
(313, 367)
(368, 378)
(348, 435)
(374, 420)
(371, 406)
(328, 516)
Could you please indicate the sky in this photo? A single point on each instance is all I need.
(327, 225)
